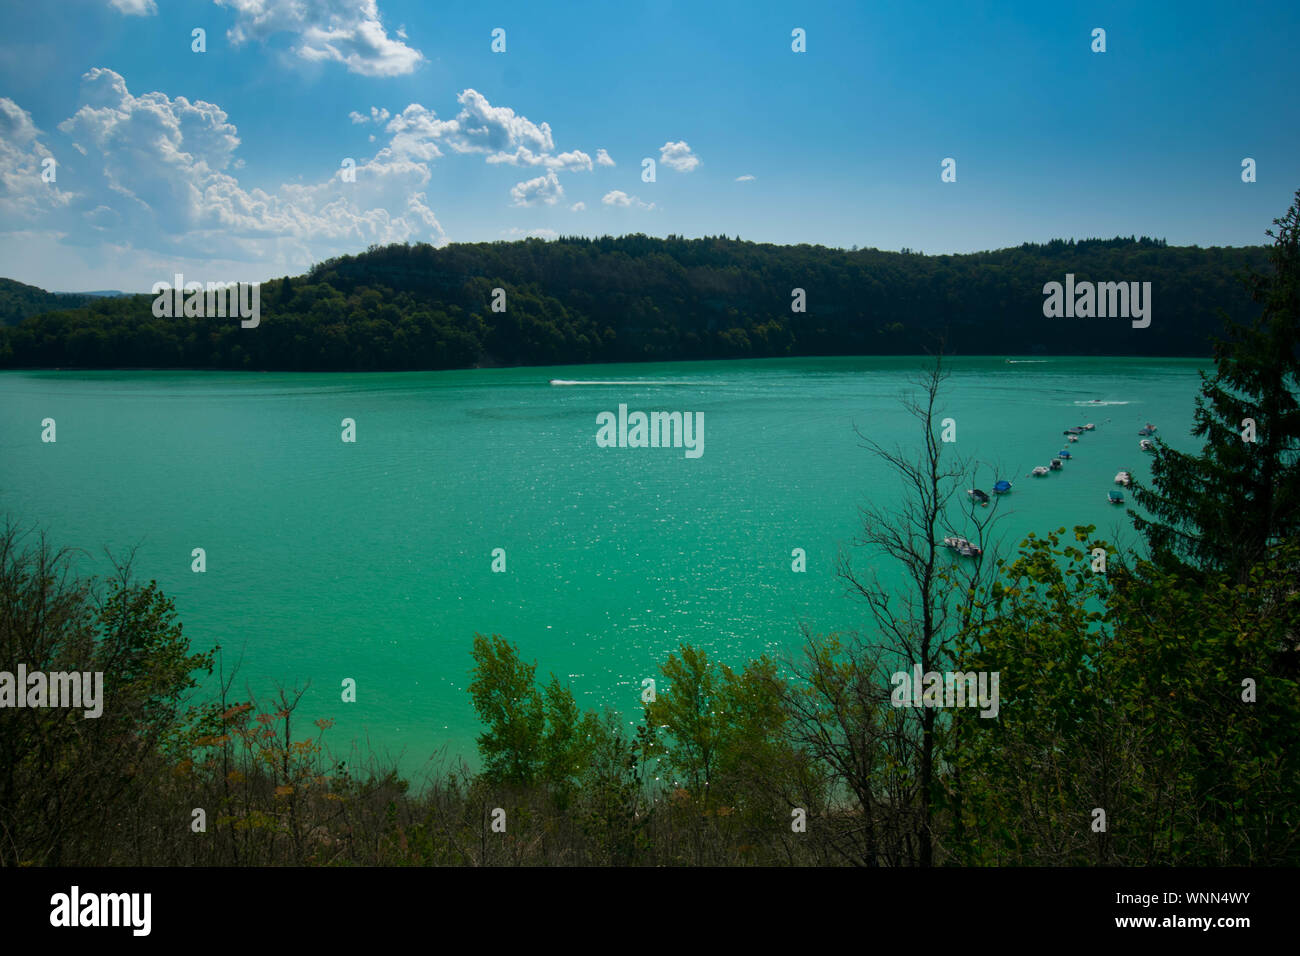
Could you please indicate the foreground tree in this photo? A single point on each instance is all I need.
(72, 786)
(919, 624)
(1223, 508)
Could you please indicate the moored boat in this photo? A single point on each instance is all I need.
(980, 497)
(1064, 453)
(1115, 497)
(1147, 445)
(1123, 478)
(1055, 464)
(1001, 487)
(1039, 471)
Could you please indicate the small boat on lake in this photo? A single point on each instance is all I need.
(1064, 453)
(965, 548)
(1039, 471)
(1089, 427)
(1123, 478)
(978, 496)
(1055, 464)
(1001, 487)
(1072, 438)
(1073, 431)
(1147, 429)
(1115, 497)
(1147, 445)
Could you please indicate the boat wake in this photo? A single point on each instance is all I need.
(568, 381)
(1094, 403)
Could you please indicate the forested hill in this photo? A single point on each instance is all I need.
(19, 300)
(637, 298)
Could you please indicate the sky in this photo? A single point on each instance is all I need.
(231, 164)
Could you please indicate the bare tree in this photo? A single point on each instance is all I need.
(919, 623)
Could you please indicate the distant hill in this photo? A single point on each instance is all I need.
(19, 301)
(637, 298)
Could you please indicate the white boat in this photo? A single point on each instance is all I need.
(1147, 445)
(1039, 471)
(1089, 427)
(1123, 478)
(969, 550)
(1072, 438)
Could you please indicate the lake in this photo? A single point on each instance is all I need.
(373, 559)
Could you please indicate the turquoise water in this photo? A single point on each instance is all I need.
(373, 560)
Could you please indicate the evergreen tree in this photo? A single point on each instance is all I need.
(1220, 510)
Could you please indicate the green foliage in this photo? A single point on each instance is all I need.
(718, 733)
(638, 298)
(1223, 508)
(1124, 692)
(535, 735)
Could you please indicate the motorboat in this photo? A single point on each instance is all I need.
(1115, 497)
(1073, 431)
(1055, 464)
(1089, 427)
(1039, 471)
(1072, 438)
(1147, 445)
(1065, 454)
(978, 496)
(1001, 487)
(1123, 478)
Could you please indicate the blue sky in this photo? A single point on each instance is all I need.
(225, 165)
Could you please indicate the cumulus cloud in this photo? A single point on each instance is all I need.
(498, 133)
(578, 207)
(23, 193)
(146, 179)
(620, 199)
(544, 189)
(377, 115)
(602, 158)
(338, 31)
(516, 233)
(678, 156)
(747, 178)
(157, 174)
(134, 8)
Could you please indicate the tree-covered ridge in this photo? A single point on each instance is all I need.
(637, 298)
(19, 301)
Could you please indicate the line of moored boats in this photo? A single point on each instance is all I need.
(1123, 478)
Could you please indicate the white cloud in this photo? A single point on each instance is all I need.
(148, 179)
(516, 233)
(616, 197)
(377, 115)
(339, 31)
(745, 178)
(498, 132)
(678, 156)
(544, 189)
(23, 193)
(602, 158)
(134, 8)
(578, 207)
(157, 174)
